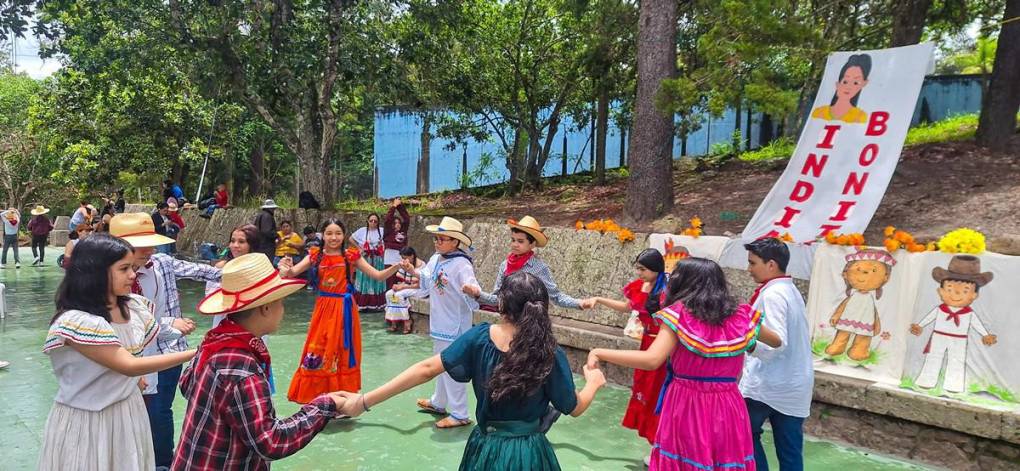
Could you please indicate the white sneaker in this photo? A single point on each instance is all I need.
(648, 461)
(4, 364)
(17, 264)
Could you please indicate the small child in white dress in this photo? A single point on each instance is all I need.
(397, 298)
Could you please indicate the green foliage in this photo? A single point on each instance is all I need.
(956, 128)
(779, 149)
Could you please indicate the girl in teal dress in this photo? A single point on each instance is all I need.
(517, 370)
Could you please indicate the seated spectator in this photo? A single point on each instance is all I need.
(306, 200)
(220, 200)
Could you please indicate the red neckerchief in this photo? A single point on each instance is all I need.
(757, 291)
(515, 262)
(231, 335)
(955, 316)
(136, 286)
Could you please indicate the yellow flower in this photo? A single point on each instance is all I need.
(962, 240)
(889, 231)
(625, 235)
(696, 222)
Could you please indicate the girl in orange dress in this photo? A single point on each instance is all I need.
(331, 359)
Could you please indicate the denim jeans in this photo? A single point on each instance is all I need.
(10, 242)
(787, 433)
(161, 416)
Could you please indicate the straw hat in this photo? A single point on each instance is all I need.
(450, 227)
(963, 268)
(269, 204)
(39, 209)
(137, 229)
(248, 281)
(530, 225)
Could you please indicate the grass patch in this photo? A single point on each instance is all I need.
(779, 149)
(818, 348)
(955, 128)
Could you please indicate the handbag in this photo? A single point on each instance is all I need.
(634, 329)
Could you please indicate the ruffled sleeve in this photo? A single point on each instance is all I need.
(634, 295)
(353, 254)
(81, 328)
(733, 337)
(145, 322)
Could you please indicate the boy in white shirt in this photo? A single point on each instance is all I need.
(450, 312)
(777, 383)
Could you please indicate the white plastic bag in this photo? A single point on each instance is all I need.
(634, 329)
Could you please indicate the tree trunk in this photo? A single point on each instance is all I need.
(909, 17)
(258, 161)
(601, 128)
(997, 123)
(423, 163)
(623, 147)
(650, 188)
(515, 164)
(738, 135)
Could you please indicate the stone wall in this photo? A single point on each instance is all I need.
(862, 413)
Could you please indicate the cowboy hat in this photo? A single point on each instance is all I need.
(529, 225)
(40, 209)
(138, 230)
(450, 227)
(248, 281)
(269, 204)
(172, 207)
(963, 268)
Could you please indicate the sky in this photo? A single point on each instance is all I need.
(25, 56)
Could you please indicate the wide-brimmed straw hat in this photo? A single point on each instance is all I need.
(138, 230)
(248, 281)
(40, 209)
(529, 225)
(452, 228)
(269, 204)
(963, 268)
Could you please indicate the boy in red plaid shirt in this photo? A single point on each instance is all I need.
(230, 421)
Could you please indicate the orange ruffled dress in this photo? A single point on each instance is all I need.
(331, 359)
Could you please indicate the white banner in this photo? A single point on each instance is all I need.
(849, 146)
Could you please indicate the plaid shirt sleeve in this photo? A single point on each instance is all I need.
(254, 421)
(195, 271)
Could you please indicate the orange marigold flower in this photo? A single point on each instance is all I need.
(892, 245)
(625, 235)
(831, 238)
(932, 246)
(889, 231)
(578, 225)
(903, 237)
(786, 237)
(843, 239)
(856, 239)
(696, 222)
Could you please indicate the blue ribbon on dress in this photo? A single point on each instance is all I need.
(670, 376)
(348, 296)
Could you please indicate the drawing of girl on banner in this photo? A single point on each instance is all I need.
(953, 320)
(866, 271)
(853, 77)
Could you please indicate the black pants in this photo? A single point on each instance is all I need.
(39, 241)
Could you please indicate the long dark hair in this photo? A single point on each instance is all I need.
(700, 285)
(524, 302)
(86, 283)
(409, 252)
(322, 254)
(251, 235)
(857, 60)
(652, 260)
(378, 226)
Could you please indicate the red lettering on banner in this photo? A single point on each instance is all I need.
(830, 133)
(774, 234)
(844, 210)
(788, 216)
(802, 191)
(827, 228)
(876, 124)
(814, 165)
(868, 155)
(855, 183)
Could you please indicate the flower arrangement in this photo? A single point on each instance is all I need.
(855, 239)
(786, 237)
(696, 228)
(962, 240)
(604, 226)
(896, 239)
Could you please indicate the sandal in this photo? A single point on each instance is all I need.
(408, 326)
(392, 327)
(450, 422)
(425, 405)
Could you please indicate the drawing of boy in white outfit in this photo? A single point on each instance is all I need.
(953, 319)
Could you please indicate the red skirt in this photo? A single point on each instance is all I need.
(644, 395)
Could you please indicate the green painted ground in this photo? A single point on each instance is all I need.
(392, 436)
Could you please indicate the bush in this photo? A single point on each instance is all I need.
(954, 128)
(778, 149)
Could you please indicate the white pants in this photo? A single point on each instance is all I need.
(449, 395)
(954, 351)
